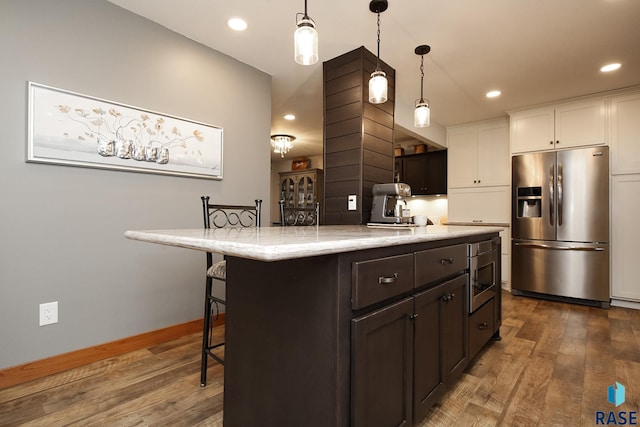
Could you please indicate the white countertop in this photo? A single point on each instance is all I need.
(280, 243)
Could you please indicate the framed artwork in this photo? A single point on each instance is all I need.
(68, 128)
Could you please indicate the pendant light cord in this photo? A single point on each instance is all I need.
(421, 78)
(378, 58)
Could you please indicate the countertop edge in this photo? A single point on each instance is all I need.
(284, 250)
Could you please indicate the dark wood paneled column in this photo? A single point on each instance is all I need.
(358, 136)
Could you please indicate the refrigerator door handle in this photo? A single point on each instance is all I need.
(551, 194)
(559, 194)
(559, 248)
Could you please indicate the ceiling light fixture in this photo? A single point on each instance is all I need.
(282, 143)
(305, 40)
(289, 117)
(493, 94)
(422, 113)
(378, 83)
(610, 67)
(237, 24)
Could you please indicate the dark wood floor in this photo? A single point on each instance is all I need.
(552, 368)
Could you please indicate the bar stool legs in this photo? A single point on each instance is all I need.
(207, 333)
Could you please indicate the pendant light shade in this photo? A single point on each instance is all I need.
(422, 113)
(305, 40)
(282, 143)
(378, 85)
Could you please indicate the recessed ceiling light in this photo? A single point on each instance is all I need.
(237, 24)
(493, 94)
(289, 117)
(610, 67)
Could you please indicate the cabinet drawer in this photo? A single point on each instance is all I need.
(378, 279)
(435, 264)
(480, 327)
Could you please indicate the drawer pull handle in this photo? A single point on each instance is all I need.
(448, 297)
(382, 280)
(483, 325)
(444, 261)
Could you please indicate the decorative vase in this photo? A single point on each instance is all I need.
(106, 148)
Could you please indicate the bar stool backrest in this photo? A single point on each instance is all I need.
(299, 216)
(221, 216)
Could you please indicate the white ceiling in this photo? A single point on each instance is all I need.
(534, 51)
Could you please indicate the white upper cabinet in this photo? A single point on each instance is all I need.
(462, 157)
(478, 154)
(625, 133)
(574, 124)
(533, 130)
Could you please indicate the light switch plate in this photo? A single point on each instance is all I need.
(352, 205)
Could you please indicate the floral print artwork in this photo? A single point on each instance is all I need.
(75, 129)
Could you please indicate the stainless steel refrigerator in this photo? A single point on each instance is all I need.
(560, 225)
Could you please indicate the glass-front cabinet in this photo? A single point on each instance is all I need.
(301, 189)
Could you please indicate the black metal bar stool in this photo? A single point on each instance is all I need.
(299, 216)
(220, 216)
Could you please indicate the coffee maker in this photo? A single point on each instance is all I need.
(389, 204)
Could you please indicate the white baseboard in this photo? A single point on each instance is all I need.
(625, 304)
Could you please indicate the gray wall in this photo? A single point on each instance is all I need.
(61, 228)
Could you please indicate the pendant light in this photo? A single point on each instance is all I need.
(422, 113)
(378, 83)
(282, 143)
(306, 40)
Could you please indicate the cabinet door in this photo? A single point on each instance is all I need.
(580, 123)
(306, 191)
(625, 134)
(625, 235)
(462, 147)
(486, 204)
(288, 191)
(493, 155)
(481, 327)
(426, 174)
(437, 172)
(429, 382)
(454, 328)
(532, 130)
(382, 366)
(414, 173)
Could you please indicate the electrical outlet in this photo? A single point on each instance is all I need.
(48, 313)
(352, 205)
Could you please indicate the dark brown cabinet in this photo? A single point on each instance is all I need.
(382, 344)
(440, 348)
(301, 189)
(404, 355)
(480, 327)
(375, 337)
(425, 173)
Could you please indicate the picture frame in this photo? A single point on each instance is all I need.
(72, 129)
(300, 164)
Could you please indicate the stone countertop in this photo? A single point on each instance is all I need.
(281, 243)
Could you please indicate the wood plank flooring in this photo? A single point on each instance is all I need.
(552, 368)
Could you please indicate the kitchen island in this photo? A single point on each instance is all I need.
(341, 325)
